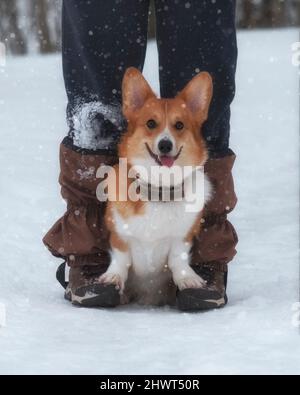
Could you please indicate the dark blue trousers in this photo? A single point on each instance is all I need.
(101, 38)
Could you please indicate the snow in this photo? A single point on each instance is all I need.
(255, 334)
(84, 124)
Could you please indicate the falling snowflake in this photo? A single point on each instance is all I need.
(184, 256)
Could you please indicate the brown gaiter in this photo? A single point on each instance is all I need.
(80, 236)
(216, 242)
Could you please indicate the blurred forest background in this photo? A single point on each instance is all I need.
(34, 25)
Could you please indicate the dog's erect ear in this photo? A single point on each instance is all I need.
(197, 96)
(135, 91)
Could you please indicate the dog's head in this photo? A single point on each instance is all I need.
(165, 132)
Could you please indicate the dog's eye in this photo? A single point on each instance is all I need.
(179, 125)
(151, 124)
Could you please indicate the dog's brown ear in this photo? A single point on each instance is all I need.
(198, 95)
(135, 90)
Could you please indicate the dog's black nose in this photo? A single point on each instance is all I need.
(165, 146)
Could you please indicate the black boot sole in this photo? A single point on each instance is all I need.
(200, 299)
(96, 295)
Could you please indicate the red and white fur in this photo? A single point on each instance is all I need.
(151, 241)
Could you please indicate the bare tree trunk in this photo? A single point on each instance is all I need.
(3, 22)
(248, 17)
(298, 13)
(58, 32)
(273, 14)
(288, 17)
(279, 13)
(40, 13)
(11, 31)
(152, 19)
(267, 13)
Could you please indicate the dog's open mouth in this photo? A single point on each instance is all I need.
(163, 160)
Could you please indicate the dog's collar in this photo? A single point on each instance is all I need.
(152, 193)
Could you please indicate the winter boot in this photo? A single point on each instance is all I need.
(85, 290)
(213, 296)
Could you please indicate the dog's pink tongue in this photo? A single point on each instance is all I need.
(167, 161)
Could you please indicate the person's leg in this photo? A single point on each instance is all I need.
(194, 36)
(100, 40)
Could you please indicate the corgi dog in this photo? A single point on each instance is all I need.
(151, 239)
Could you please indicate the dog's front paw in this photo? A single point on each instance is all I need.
(110, 278)
(191, 280)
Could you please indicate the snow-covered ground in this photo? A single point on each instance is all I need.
(44, 334)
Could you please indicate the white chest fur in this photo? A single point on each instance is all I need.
(151, 234)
